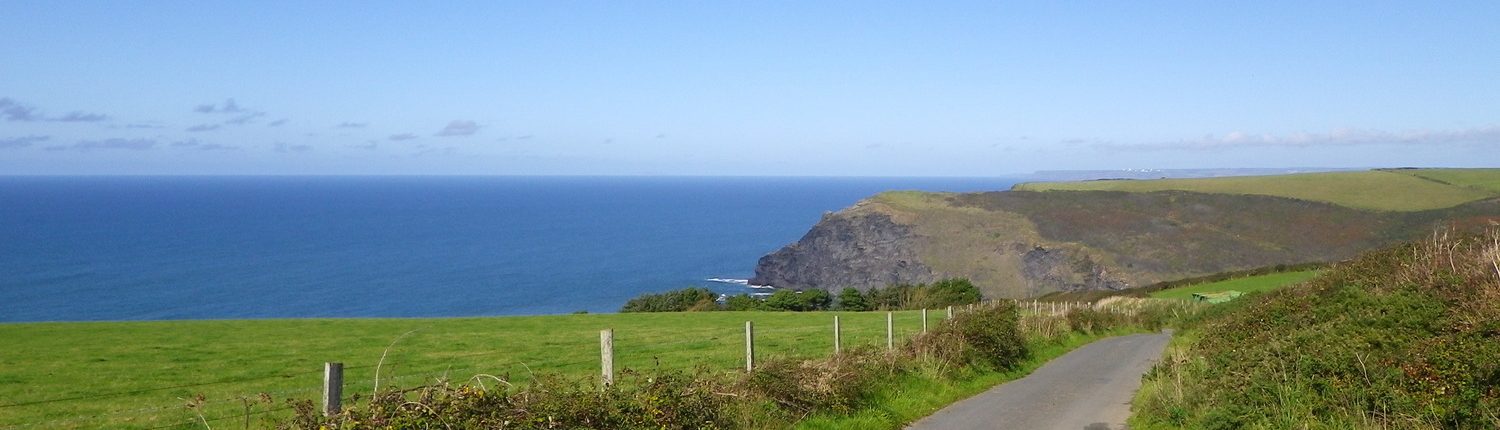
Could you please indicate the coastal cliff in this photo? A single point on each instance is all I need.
(1027, 243)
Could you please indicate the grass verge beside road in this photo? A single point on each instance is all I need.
(911, 397)
(1400, 338)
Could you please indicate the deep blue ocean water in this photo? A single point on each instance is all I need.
(147, 248)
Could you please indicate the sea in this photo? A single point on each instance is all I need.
(92, 248)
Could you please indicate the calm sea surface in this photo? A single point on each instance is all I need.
(146, 248)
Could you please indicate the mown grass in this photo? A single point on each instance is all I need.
(1249, 284)
(1374, 190)
(84, 375)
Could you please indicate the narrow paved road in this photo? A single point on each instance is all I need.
(1089, 388)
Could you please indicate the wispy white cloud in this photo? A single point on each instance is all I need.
(244, 118)
(459, 128)
(1341, 137)
(402, 136)
(23, 141)
(12, 110)
(229, 106)
(196, 145)
(285, 147)
(351, 124)
(80, 116)
(129, 144)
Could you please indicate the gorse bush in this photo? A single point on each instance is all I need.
(1407, 337)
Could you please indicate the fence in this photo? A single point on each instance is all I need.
(332, 387)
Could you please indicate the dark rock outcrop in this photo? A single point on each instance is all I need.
(1048, 270)
(862, 251)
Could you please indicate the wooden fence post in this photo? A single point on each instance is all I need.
(837, 342)
(950, 312)
(890, 335)
(333, 387)
(607, 356)
(749, 346)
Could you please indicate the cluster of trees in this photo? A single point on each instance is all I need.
(686, 299)
(947, 292)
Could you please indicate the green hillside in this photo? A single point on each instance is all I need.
(1043, 238)
(1249, 284)
(1403, 338)
(1481, 179)
(139, 374)
(1386, 190)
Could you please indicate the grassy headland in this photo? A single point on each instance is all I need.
(1042, 238)
(1387, 190)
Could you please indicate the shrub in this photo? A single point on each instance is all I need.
(947, 292)
(836, 385)
(686, 299)
(850, 299)
(664, 400)
(1087, 320)
(990, 336)
(806, 300)
(742, 302)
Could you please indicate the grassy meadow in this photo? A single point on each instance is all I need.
(1481, 179)
(141, 374)
(1248, 284)
(1385, 190)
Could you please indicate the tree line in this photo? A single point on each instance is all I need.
(947, 292)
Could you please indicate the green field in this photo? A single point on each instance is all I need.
(1481, 179)
(139, 374)
(1387, 190)
(1249, 284)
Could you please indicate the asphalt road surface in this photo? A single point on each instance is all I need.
(1089, 388)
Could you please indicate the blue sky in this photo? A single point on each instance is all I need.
(743, 88)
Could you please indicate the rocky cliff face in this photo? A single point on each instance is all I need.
(1021, 243)
(860, 250)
